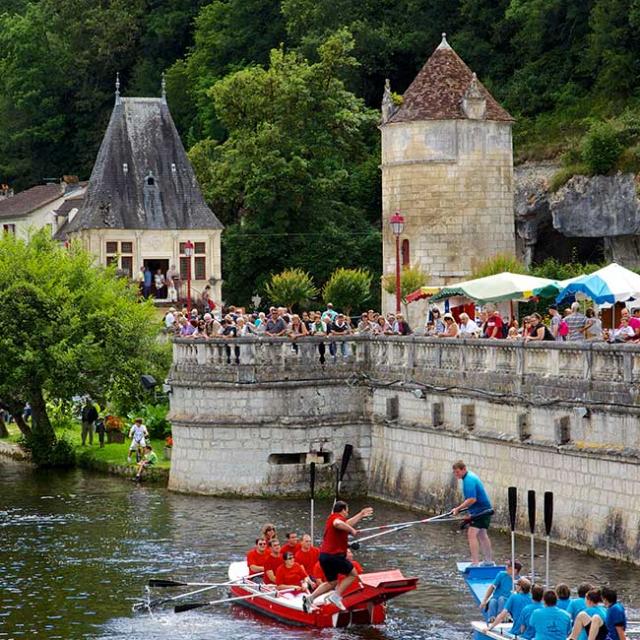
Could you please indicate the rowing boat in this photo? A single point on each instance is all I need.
(478, 579)
(365, 599)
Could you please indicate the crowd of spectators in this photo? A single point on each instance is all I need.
(570, 324)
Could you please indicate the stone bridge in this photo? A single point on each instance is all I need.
(250, 414)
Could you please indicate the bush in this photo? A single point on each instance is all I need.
(59, 454)
(601, 147)
(563, 175)
(499, 263)
(291, 288)
(348, 289)
(411, 278)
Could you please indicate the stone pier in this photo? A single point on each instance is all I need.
(549, 417)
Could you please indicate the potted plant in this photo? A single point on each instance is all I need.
(113, 426)
(168, 445)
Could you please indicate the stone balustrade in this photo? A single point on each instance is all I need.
(588, 372)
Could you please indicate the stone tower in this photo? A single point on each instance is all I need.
(447, 167)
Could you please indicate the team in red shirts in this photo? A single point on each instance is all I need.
(298, 564)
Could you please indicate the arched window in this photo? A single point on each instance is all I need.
(150, 181)
(406, 258)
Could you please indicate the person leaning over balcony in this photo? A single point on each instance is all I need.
(340, 327)
(554, 325)
(401, 326)
(468, 328)
(576, 322)
(319, 329)
(451, 328)
(538, 331)
(435, 319)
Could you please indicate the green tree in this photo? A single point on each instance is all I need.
(601, 147)
(67, 328)
(348, 289)
(291, 288)
(287, 181)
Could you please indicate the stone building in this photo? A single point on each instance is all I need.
(447, 167)
(143, 202)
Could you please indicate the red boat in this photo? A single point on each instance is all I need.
(365, 599)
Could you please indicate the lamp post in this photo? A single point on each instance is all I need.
(397, 227)
(188, 251)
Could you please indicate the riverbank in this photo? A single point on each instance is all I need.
(110, 459)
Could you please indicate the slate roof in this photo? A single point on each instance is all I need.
(23, 203)
(436, 92)
(142, 142)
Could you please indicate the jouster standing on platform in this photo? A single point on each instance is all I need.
(333, 554)
(479, 505)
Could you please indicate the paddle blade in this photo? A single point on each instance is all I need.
(531, 499)
(312, 479)
(548, 511)
(179, 608)
(513, 506)
(166, 583)
(346, 456)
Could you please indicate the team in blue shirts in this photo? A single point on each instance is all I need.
(514, 606)
(477, 502)
(549, 622)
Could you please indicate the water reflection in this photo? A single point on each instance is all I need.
(78, 549)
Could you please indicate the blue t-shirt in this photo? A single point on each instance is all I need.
(515, 605)
(472, 487)
(503, 584)
(616, 617)
(551, 623)
(563, 603)
(525, 620)
(576, 605)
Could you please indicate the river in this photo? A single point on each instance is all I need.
(77, 549)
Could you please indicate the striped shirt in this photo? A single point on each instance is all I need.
(575, 322)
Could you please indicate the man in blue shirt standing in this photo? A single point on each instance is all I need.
(550, 623)
(514, 606)
(477, 502)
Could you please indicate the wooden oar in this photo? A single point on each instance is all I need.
(346, 456)
(312, 487)
(196, 605)
(531, 499)
(548, 522)
(513, 508)
(157, 582)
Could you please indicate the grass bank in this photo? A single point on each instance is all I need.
(111, 459)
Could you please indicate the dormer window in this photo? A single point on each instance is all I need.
(125, 168)
(174, 169)
(150, 181)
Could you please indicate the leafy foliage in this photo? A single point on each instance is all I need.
(154, 416)
(291, 288)
(348, 289)
(601, 147)
(498, 264)
(411, 278)
(66, 328)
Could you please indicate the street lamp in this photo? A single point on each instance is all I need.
(188, 251)
(397, 227)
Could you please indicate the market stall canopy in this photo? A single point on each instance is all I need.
(496, 288)
(422, 292)
(612, 283)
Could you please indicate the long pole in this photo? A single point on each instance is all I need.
(189, 287)
(531, 497)
(397, 273)
(312, 492)
(548, 522)
(513, 507)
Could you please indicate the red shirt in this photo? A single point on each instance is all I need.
(293, 549)
(318, 572)
(258, 559)
(273, 564)
(334, 540)
(492, 323)
(308, 558)
(295, 575)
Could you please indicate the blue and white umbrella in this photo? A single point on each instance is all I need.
(610, 284)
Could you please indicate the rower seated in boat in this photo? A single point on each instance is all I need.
(498, 592)
(291, 544)
(308, 555)
(292, 574)
(272, 562)
(526, 631)
(514, 606)
(256, 557)
(614, 621)
(593, 615)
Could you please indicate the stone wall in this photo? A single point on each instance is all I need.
(559, 417)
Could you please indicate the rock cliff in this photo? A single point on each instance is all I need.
(589, 218)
